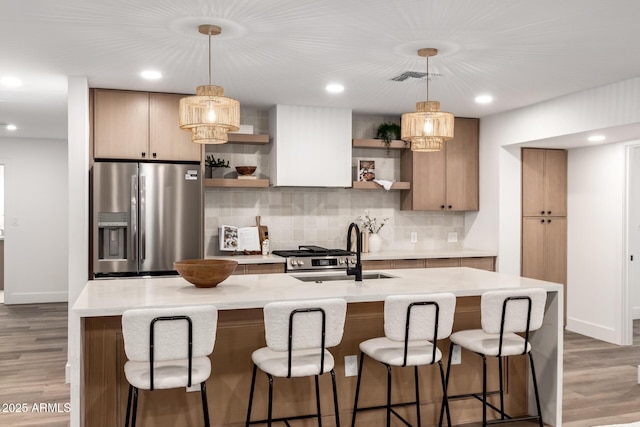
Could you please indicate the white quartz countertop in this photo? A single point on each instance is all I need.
(383, 255)
(113, 297)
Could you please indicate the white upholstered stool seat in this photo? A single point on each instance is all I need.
(392, 352)
(412, 326)
(168, 348)
(298, 334)
(478, 341)
(504, 314)
(168, 374)
(304, 363)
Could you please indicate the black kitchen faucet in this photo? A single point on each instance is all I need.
(357, 269)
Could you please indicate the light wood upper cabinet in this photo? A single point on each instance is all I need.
(140, 126)
(446, 179)
(120, 124)
(544, 182)
(166, 139)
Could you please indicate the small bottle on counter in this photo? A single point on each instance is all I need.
(265, 247)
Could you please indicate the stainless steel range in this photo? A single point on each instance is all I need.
(316, 258)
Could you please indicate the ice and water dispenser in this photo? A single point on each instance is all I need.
(112, 235)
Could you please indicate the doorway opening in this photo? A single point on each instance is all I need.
(1, 234)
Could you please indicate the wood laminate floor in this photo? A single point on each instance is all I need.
(600, 379)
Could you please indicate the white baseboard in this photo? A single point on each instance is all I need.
(594, 331)
(34, 297)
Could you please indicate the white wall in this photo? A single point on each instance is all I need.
(35, 200)
(498, 222)
(78, 116)
(1, 199)
(595, 240)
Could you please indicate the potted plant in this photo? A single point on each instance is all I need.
(213, 166)
(387, 132)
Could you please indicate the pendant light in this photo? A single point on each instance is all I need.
(428, 127)
(209, 115)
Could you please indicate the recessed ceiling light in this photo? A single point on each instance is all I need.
(596, 138)
(151, 74)
(335, 88)
(10, 81)
(484, 99)
(12, 127)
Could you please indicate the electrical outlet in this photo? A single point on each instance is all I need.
(351, 366)
(414, 237)
(194, 387)
(452, 237)
(14, 221)
(456, 355)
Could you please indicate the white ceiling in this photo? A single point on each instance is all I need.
(286, 51)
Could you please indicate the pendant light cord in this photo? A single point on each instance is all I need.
(427, 77)
(210, 58)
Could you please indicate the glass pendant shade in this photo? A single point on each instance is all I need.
(209, 115)
(428, 128)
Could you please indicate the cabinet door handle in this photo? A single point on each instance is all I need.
(450, 206)
(548, 212)
(542, 221)
(441, 206)
(548, 220)
(541, 212)
(154, 156)
(144, 154)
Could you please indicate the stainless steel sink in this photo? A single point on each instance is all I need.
(318, 278)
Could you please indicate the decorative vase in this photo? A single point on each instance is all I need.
(375, 242)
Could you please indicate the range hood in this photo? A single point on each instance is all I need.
(311, 146)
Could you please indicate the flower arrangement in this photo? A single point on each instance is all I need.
(371, 225)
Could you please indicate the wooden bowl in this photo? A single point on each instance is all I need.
(246, 170)
(205, 273)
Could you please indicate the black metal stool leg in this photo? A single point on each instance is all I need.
(415, 373)
(388, 395)
(135, 407)
(126, 421)
(355, 403)
(501, 389)
(535, 389)
(205, 404)
(484, 391)
(253, 384)
(335, 397)
(270, 410)
(445, 397)
(318, 402)
(445, 385)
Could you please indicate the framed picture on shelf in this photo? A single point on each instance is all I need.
(366, 170)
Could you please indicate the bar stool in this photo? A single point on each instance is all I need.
(168, 348)
(503, 314)
(297, 335)
(412, 326)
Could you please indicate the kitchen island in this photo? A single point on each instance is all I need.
(102, 388)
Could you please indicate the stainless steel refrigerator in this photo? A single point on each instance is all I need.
(145, 216)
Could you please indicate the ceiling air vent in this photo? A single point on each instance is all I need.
(415, 75)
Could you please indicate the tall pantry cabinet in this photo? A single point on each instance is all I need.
(544, 215)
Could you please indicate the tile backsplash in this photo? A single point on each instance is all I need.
(321, 216)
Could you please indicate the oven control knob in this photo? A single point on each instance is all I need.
(340, 261)
(352, 261)
(300, 263)
(293, 263)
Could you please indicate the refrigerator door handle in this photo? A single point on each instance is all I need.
(143, 216)
(133, 234)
